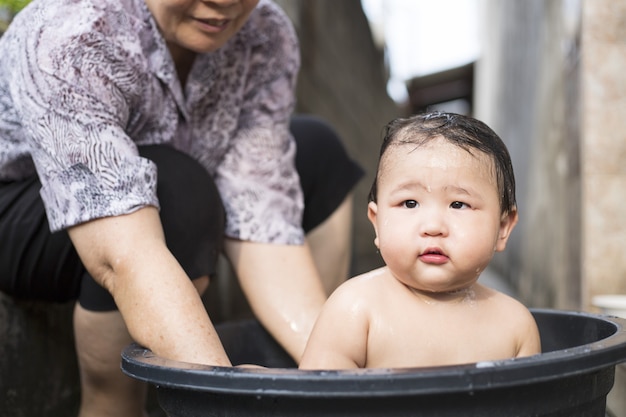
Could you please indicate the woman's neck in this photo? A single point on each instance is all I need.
(183, 61)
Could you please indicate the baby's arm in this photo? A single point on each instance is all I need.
(339, 338)
(529, 340)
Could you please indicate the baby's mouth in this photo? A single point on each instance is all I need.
(433, 256)
(433, 251)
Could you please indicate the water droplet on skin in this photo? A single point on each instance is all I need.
(470, 296)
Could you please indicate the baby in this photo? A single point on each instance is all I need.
(442, 203)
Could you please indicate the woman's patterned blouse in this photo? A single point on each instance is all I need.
(83, 82)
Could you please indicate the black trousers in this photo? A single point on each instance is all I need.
(37, 264)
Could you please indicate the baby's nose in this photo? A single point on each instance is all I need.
(433, 224)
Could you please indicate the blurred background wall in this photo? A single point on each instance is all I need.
(550, 81)
(528, 90)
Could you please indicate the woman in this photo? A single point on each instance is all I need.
(99, 96)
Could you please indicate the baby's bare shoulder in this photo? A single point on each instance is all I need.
(506, 304)
(366, 286)
(369, 280)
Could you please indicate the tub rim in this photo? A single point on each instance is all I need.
(140, 363)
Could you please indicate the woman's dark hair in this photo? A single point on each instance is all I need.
(464, 131)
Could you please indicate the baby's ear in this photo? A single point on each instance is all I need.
(507, 224)
(372, 213)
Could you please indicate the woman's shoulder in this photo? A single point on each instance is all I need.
(269, 25)
(269, 44)
(97, 34)
(86, 16)
(45, 26)
(268, 13)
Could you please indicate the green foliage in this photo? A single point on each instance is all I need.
(13, 6)
(8, 9)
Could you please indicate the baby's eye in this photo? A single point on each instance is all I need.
(410, 204)
(458, 205)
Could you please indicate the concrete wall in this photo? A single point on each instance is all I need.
(604, 147)
(551, 83)
(527, 89)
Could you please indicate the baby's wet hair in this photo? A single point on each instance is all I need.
(464, 131)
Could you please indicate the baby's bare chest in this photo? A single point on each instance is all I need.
(435, 336)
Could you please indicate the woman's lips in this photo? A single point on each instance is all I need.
(213, 25)
(215, 22)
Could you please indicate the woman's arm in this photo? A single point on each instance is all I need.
(161, 307)
(283, 288)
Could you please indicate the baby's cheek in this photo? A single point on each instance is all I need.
(392, 243)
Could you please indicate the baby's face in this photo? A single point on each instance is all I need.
(437, 216)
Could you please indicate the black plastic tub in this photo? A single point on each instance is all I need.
(571, 378)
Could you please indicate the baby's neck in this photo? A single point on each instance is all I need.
(461, 295)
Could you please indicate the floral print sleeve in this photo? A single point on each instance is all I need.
(77, 96)
(70, 101)
(258, 175)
